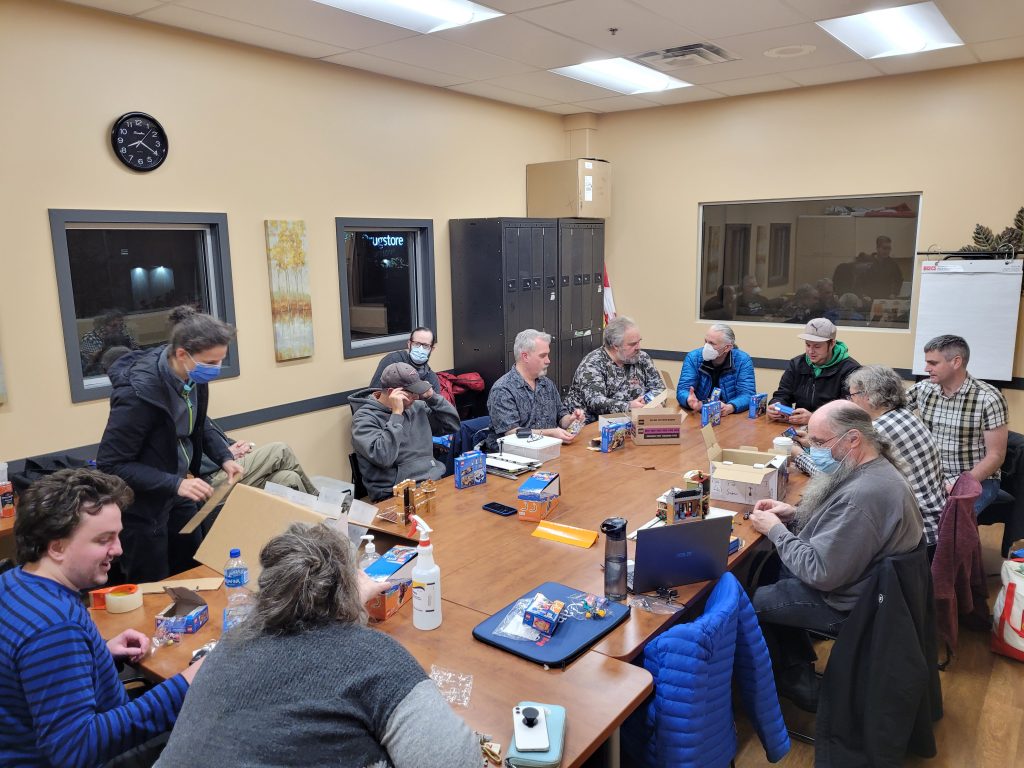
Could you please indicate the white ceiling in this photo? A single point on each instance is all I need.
(506, 59)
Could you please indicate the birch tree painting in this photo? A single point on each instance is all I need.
(290, 302)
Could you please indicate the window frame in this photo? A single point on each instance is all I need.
(218, 268)
(424, 290)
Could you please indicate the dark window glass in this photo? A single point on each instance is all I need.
(380, 286)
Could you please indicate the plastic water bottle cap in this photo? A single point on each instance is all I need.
(235, 553)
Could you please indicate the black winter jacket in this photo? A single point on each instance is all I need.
(140, 442)
(881, 692)
(800, 387)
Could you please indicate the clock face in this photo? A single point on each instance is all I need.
(139, 141)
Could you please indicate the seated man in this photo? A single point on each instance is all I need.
(617, 376)
(61, 702)
(417, 354)
(816, 377)
(719, 363)
(270, 463)
(392, 429)
(526, 397)
(849, 519)
(967, 417)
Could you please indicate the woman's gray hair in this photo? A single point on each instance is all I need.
(849, 416)
(308, 579)
(881, 385)
(615, 331)
(726, 331)
(527, 340)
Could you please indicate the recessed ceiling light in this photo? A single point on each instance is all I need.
(621, 75)
(894, 31)
(418, 15)
(790, 51)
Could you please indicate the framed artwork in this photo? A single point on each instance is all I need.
(290, 303)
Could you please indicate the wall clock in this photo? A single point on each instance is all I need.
(139, 141)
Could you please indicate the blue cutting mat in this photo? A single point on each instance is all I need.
(572, 637)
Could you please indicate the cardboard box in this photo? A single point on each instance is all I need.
(187, 613)
(393, 568)
(470, 469)
(711, 413)
(744, 475)
(758, 405)
(538, 496)
(657, 426)
(537, 447)
(542, 614)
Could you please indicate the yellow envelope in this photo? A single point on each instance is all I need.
(567, 534)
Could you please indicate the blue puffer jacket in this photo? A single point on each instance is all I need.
(689, 719)
(736, 381)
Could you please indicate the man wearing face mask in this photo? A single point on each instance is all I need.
(417, 354)
(155, 437)
(718, 364)
(617, 376)
(857, 511)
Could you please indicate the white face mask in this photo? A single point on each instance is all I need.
(709, 353)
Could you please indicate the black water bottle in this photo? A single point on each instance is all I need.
(614, 529)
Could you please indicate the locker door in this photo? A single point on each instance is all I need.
(568, 359)
(597, 302)
(536, 318)
(550, 289)
(510, 259)
(524, 246)
(585, 235)
(580, 321)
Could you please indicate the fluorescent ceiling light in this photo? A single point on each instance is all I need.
(894, 31)
(418, 15)
(621, 75)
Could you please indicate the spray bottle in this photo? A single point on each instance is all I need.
(369, 552)
(426, 581)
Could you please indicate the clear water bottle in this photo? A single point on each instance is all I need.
(236, 583)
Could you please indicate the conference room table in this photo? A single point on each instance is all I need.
(488, 561)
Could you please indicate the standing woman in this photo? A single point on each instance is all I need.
(155, 438)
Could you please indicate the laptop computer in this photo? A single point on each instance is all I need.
(678, 554)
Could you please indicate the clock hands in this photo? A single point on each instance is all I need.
(142, 139)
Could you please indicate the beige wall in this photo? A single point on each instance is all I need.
(256, 135)
(932, 133)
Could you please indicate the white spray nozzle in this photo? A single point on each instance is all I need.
(370, 547)
(422, 528)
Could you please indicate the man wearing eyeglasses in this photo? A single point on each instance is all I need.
(855, 512)
(417, 354)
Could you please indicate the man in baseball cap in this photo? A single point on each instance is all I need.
(392, 429)
(816, 377)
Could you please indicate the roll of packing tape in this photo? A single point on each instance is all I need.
(122, 599)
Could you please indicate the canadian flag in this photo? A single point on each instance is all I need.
(609, 300)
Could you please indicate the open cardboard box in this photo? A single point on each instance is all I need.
(745, 474)
(657, 426)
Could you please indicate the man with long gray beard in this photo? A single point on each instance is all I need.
(856, 512)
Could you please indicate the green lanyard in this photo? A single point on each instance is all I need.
(191, 425)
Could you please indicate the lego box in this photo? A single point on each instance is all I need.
(711, 413)
(744, 475)
(393, 568)
(614, 428)
(538, 496)
(758, 405)
(187, 613)
(542, 614)
(657, 426)
(470, 469)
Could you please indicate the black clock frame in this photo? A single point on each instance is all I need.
(128, 160)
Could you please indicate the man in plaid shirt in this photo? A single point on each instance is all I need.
(967, 417)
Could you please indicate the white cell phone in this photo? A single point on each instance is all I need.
(530, 729)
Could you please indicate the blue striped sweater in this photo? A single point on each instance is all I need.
(61, 703)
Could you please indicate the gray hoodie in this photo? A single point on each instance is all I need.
(395, 447)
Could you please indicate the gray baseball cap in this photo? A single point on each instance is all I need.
(818, 329)
(403, 376)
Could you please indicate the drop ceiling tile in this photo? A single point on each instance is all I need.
(446, 56)
(519, 40)
(616, 104)
(827, 50)
(917, 62)
(127, 7)
(722, 18)
(836, 73)
(982, 20)
(491, 91)
(557, 88)
(564, 109)
(514, 6)
(589, 21)
(754, 85)
(683, 95)
(994, 50)
(219, 26)
(361, 60)
(816, 10)
(305, 18)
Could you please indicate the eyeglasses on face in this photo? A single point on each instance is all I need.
(819, 443)
(421, 345)
(853, 394)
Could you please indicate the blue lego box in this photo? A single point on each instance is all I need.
(393, 568)
(186, 615)
(711, 413)
(470, 469)
(542, 614)
(758, 404)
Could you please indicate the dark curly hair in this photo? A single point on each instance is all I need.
(53, 506)
(195, 331)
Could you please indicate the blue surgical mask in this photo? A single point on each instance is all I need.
(203, 373)
(419, 355)
(823, 459)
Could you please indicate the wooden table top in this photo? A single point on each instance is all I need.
(500, 680)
